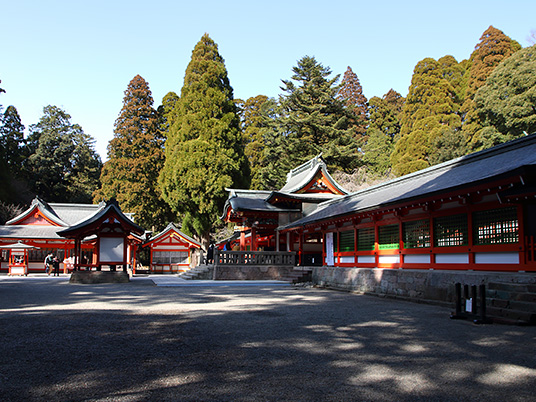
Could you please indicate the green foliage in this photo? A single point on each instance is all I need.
(377, 152)
(314, 120)
(258, 114)
(493, 48)
(507, 103)
(351, 94)
(431, 107)
(204, 146)
(135, 158)
(63, 165)
(12, 140)
(385, 113)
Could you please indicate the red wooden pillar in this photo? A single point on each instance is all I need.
(253, 238)
(242, 240)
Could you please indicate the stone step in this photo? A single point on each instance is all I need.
(517, 316)
(512, 304)
(512, 287)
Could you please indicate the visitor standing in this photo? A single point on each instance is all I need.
(56, 265)
(48, 263)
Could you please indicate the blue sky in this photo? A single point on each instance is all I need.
(81, 55)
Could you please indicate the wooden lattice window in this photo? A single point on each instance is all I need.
(496, 226)
(451, 231)
(388, 237)
(417, 234)
(365, 239)
(347, 240)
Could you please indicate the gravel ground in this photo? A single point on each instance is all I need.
(140, 342)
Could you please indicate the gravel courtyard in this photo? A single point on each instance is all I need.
(141, 342)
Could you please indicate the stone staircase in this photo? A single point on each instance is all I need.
(511, 303)
(201, 272)
(299, 275)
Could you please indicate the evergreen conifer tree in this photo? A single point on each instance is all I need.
(204, 147)
(135, 158)
(258, 114)
(493, 48)
(314, 120)
(385, 113)
(351, 93)
(507, 103)
(431, 107)
(63, 164)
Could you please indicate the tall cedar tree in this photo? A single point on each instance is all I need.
(13, 159)
(204, 147)
(314, 120)
(351, 93)
(507, 103)
(63, 165)
(135, 158)
(383, 131)
(429, 112)
(493, 48)
(258, 114)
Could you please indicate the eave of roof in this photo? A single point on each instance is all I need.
(110, 207)
(482, 166)
(171, 227)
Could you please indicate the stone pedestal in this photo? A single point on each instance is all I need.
(88, 277)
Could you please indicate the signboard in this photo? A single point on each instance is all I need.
(111, 249)
(329, 249)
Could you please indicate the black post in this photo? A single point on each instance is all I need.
(458, 313)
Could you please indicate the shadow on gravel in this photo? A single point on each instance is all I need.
(139, 343)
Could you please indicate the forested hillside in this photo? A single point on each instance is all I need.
(173, 162)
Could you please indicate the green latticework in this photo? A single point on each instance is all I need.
(496, 226)
(451, 231)
(389, 237)
(417, 234)
(347, 240)
(365, 239)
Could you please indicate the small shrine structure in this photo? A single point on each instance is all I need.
(18, 257)
(172, 251)
(114, 235)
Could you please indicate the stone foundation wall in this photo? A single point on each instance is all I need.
(251, 272)
(89, 277)
(430, 286)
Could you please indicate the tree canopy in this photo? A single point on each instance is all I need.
(63, 164)
(314, 120)
(204, 146)
(507, 103)
(135, 157)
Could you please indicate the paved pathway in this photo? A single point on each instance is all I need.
(269, 342)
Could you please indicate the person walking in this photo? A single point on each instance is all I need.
(56, 265)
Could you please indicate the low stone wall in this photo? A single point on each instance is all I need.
(250, 272)
(430, 286)
(89, 277)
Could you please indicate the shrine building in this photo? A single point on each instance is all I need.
(477, 212)
(257, 214)
(82, 236)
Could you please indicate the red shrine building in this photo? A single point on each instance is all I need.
(476, 213)
(172, 251)
(257, 214)
(82, 236)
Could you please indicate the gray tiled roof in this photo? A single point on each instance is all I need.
(457, 173)
(172, 226)
(30, 232)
